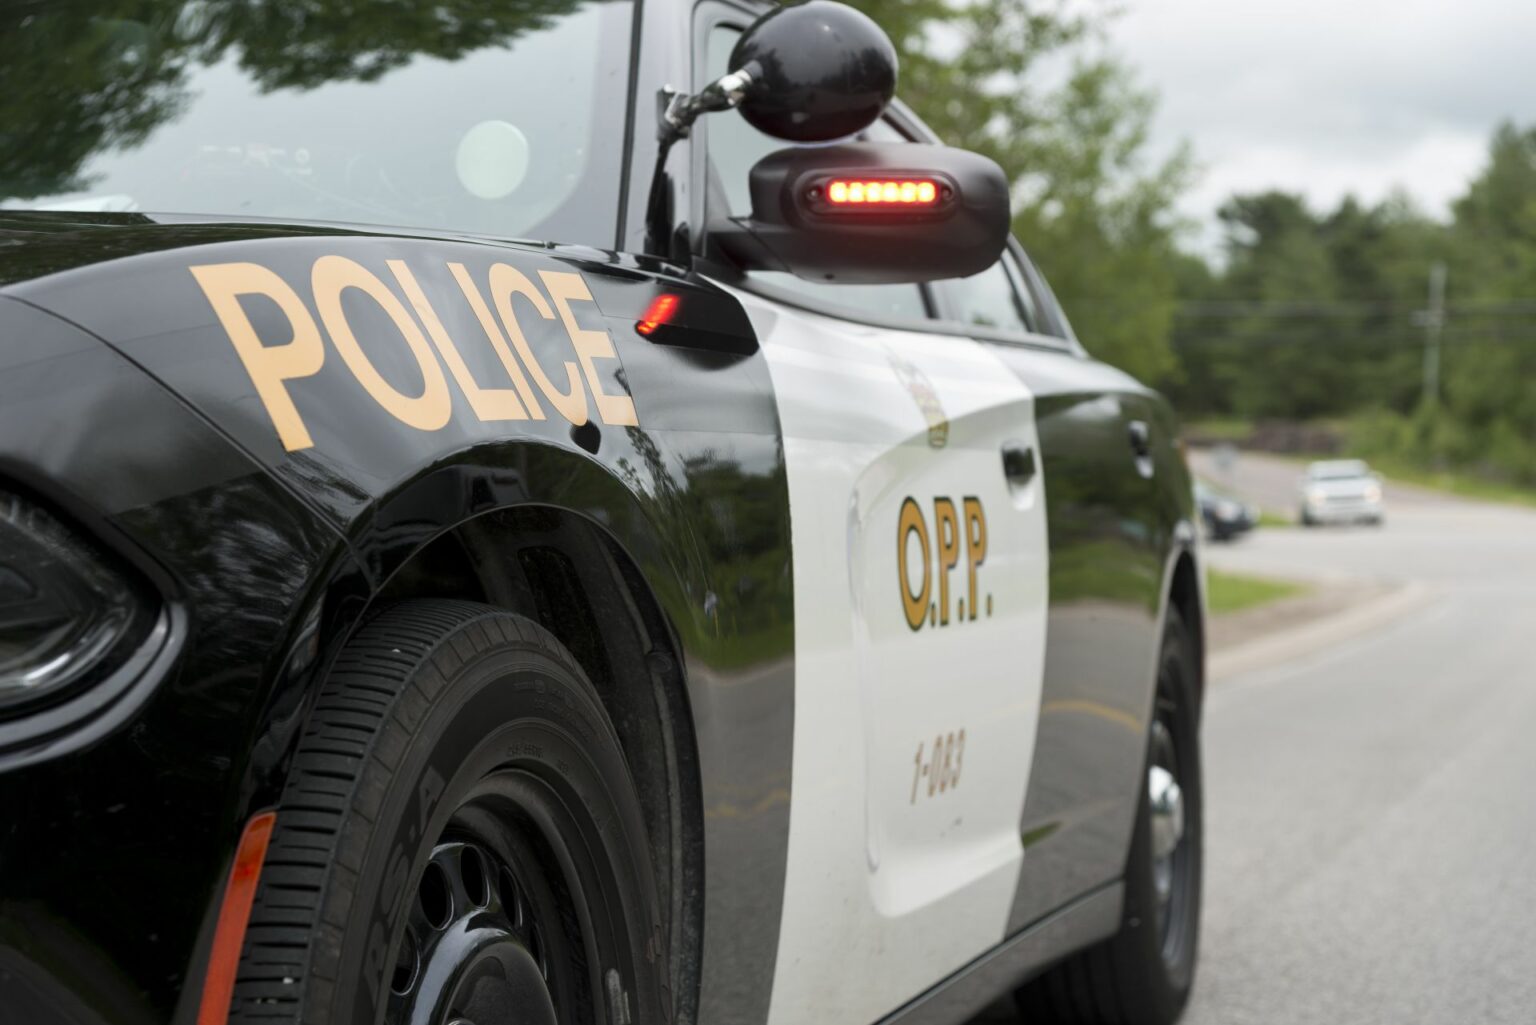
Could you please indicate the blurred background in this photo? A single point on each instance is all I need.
(1313, 225)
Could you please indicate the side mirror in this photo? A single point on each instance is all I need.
(820, 70)
(870, 213)
(817, 71)
(812, 71)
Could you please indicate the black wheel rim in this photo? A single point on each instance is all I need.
(494, 934)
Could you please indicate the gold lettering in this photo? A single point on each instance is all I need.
(488, 403)
(506, 282)
(332, 275)
(567, 287)
(268, 365)
(975, 547)
(494, 336)
(947, 525)
(910, 521)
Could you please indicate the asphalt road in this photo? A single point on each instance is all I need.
(1371, 820)
(1371, 806)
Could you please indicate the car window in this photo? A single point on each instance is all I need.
(1050, 319)
(430, 119)
(1344, 469)
(995, 299)
(734, 146)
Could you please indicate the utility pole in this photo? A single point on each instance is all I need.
(1434, 321)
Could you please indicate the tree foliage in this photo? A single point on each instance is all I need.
(1028, 84)
(1324, 314)
(82, 78)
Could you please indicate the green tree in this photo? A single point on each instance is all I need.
(1381, 258)
(1312, 314)
(1090, 206)
(1490, 351)
(1287, 356)
(1322, 315)
(82, 78)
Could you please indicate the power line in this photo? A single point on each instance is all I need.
(1216, 310)
(1451, 337)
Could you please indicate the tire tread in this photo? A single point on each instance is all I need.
(1109, 983)
(374, 696)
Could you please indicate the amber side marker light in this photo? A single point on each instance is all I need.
(882, 192)
(234, 915)
(661, 311)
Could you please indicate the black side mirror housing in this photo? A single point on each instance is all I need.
(820, 70)
(870, 213)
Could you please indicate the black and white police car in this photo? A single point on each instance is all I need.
(504, 521)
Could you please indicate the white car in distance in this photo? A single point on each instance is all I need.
(1341, 491)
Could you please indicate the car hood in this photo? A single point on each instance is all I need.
(340, 358)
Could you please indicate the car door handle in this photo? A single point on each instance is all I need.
(1018, 463)
(1140, 437)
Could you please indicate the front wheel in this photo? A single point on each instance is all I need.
(1143, 974)
(459, 840)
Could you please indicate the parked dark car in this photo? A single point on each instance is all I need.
(1224, 516)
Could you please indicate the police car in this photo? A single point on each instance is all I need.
(563, 512)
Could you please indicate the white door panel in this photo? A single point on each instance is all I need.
(902, 862)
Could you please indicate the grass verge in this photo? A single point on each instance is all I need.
(1234, 592)
(1454, 482)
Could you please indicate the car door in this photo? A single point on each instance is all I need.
(918, 523)
(1108, 532)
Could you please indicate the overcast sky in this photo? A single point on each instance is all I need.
(1328, 97)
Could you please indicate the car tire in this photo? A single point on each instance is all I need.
(1143, 974)
(459, 832)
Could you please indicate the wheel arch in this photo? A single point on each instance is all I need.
(585, 561)
(1185, 592)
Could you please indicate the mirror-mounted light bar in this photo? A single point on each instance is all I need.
(889, 191)
(884, 193)
(799, 223)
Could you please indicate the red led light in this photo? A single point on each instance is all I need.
(660, 312)
(882, 192)
(234, 916)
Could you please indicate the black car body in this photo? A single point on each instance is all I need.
(267, 424)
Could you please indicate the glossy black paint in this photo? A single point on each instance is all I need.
(821, 70)
(286, 549)
(1113, 534)
(117, 835)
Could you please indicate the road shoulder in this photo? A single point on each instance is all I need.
(1332, 612)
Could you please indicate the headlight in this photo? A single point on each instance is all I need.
(1229, 510)
(63, 608)
(1373, 494)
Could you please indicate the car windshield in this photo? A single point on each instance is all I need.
(501, 119)
(1344, 470)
